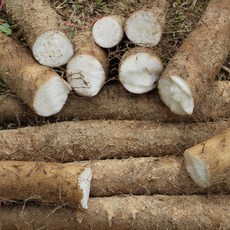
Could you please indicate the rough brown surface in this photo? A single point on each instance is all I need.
(114, 102)
(204, 51)
(20, 72)
(80, 140)
(33, 18)
(130, 212)
(45, 182)
(146, 176)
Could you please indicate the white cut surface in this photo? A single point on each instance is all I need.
(108, 32)
(84, 181)
(197, 169)
(51, 96)
(139, 72)
(142, 28)
(85, 75)
(53, 49)
(176, 94)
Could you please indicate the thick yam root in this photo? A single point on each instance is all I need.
(114, 102)
(44, 91)
(208, 163)
(83, 140)
(88, 68)
(139, 70)
(190, 73)
(40, 25)
(108, 31)
(127, 212)
(53, 183)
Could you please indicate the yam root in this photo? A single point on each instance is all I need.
(40, 26)
(88, 68)
(53, 183)
(114, 102)
(190, 73)
(108, 31)
(83, 140)
(139, 70)
(145, 176)
(129, 212)
(144, 27)
(208, 163)
(42, 89)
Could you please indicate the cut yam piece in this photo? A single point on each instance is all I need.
(114, 102)
(145, 27)
(54, 183)
(208, 163)
(88, 68)
(139, 70)
(108, 31)
(40, 26)
(43, 90)
(191, 72)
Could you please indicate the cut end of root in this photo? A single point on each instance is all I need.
(51, 97)
(143, 28)
(52, 49)
(139, 72)
(108, 31)
(176, 94)
(84, 183)
(197, 169)
(86, 75)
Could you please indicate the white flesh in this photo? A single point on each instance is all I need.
(84, 183)
(143, 28)
(198, 170)
(51, 96)
(139, 72)
(53, 49)
(176, 94)
(85, 75)
(108, 32)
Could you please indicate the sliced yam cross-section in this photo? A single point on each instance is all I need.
(139, 70)
(88, 68)
(108, 31)
(41, 28)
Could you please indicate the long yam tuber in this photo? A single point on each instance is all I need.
(190, 73)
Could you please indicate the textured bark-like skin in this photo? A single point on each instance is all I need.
(215, 154)
(129, 212)
(146, 176)
(45, 182)
(84, 44)
(114, 102)
(32, 17)
(83, 140)
(202, 54)
(21, 73)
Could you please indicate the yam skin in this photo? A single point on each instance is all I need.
(146, 176)
(208, 163)
(84, 140)
(26, 78)
(36, 19)
(88, 68)
(54, 183)
(128, 212)
(114, 102)
(197, 61)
